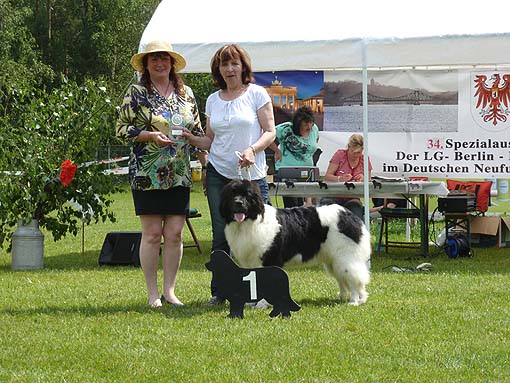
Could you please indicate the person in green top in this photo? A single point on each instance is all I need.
(298, 140)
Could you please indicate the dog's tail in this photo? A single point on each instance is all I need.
(284, 307)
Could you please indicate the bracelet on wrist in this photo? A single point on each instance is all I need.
(253, 149)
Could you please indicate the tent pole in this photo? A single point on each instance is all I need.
(366, 194)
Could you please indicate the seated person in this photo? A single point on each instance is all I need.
(297, 145)
(347, 165)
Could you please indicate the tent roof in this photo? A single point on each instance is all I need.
(444, 51)
(281, 36)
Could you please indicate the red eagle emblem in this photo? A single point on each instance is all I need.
(492, 98)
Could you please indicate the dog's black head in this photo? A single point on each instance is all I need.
(221, 262)
(241, 200)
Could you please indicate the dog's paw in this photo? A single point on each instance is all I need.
(357, 302)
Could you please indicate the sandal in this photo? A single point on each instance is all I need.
(163, 300)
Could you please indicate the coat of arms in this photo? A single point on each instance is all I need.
(490, 103)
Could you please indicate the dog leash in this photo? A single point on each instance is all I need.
(240, 170)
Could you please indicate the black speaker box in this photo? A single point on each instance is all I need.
(121, 248)
(456, 204)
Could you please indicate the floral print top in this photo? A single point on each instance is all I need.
(153, 167)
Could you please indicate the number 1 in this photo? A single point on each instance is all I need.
(252, 278)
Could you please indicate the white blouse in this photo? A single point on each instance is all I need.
(236, 126)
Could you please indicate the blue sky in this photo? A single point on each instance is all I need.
(309, 83)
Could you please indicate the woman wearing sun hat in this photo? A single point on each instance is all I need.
(152, 116)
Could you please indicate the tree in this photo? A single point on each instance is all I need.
(89, 38)
(202, 86)
(61, 62)
(22, 69)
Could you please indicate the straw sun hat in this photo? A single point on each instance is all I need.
(179, 62)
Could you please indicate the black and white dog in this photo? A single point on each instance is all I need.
(261, 235)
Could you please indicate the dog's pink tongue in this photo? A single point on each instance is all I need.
(239, 217)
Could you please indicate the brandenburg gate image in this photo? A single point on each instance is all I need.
(285, 97)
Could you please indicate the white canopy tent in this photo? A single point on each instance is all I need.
(443, 51)
(279, 37)
(330, 35)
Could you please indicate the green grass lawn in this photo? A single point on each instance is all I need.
(77, 322)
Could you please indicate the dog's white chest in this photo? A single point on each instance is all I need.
(249, 240)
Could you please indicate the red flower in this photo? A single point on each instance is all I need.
(67, 172)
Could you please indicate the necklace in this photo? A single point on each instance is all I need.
(157, 89)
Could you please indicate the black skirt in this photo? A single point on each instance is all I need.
(173, 201)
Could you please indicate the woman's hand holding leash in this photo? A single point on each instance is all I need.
(245, 162)
(247, 157)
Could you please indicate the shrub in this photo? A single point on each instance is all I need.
(67, 123)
